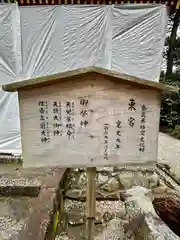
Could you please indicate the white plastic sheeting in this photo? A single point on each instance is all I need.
(10, 67)
(126, 38)
(42, 40)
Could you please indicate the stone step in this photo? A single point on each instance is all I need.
(6, 158)
(13, 182)
(17, 181)
(22, 186)
(13, 215)
(27, 217)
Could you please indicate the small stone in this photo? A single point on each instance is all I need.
(114, 174)
(112, 185)
(72, 179)
(98, 216)
(121, 213)
(162, 189)
(107, 216)
(82, 169)
(102, 179)
(82, 182)
(75, 193)
(76, 223)
(132, 178)
(167, 167)
(105, 169)
(153, 180)
(127, 179)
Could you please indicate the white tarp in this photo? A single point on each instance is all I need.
(10, 67)
(126, 38)
(43, 40)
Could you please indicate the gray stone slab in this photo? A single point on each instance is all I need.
(13, 214)
(22, 182)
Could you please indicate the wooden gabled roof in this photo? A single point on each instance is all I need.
(52, 79)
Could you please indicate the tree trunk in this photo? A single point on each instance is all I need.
(172, 42)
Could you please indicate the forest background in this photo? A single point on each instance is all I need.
(170, 74)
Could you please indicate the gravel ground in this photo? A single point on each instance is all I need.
(169, 152)
(13, 214)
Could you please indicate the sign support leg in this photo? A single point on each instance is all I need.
(90, 202)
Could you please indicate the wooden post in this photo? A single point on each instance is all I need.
(90, 202)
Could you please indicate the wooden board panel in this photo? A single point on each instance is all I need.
(89, 122)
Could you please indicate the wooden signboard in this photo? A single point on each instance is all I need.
(88, 117)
